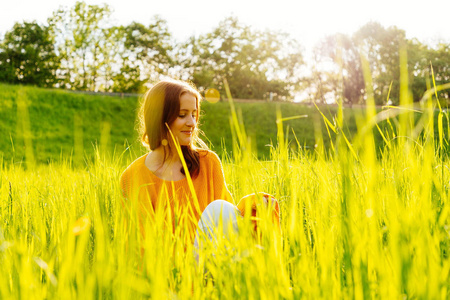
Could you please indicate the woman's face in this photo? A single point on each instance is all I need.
(183, 126)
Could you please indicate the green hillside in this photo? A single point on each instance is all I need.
(53, 121)
(64, 124)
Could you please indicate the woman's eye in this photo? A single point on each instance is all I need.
(193, 116)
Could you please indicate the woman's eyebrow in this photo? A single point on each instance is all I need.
(184, 109)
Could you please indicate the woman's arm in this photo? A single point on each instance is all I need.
(220, 187)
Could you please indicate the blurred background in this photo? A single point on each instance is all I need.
(282, 51)
(71, 73)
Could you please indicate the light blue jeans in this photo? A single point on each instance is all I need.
(218, 214)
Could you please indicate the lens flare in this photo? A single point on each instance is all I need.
(212, 95)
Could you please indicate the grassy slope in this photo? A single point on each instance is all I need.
(260, 124)
(51, 118)
(52, 123)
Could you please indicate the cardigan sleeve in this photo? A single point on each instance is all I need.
(220, 187)
(124, 186)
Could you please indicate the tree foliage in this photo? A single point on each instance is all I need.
(145, 54)
(81, 49)
(255, 64)
(81, 33)
(345, 77)
(27, 55)
(381, 48)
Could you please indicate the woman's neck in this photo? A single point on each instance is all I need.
(165, 155)
(166, 168)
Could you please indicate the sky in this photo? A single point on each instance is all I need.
(305, 21)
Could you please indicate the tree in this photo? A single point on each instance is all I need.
(440, 59)
(345, 77)
(255, 64)
(381, 47)
(419, 58)
(111, 51)
(146, 54)
(96, 56)
(27, 55)
(80, 32)
(128, 80)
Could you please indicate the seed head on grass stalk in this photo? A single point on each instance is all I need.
(81, 225)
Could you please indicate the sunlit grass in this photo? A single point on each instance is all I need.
(348, 230)
(354, 224)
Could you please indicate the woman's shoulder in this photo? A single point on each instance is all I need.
(135, 167)
(208, 157)
(206, 154)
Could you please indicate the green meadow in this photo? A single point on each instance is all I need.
(63, 123)
(70, 126)
(365, 214)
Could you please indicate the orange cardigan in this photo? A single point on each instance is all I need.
(151, 195)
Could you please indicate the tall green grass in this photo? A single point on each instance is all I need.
(354, 224)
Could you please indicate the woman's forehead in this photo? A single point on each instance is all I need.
(188, 101)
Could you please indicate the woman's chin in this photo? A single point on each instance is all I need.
(185, 142)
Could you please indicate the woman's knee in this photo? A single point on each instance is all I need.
(219, 212)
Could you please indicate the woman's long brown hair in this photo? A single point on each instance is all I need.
(162, 106)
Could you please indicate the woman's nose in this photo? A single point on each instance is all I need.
(191, 121)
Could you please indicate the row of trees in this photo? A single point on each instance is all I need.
(338, 65)
(80, 49)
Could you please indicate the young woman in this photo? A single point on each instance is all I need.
(157, 185)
